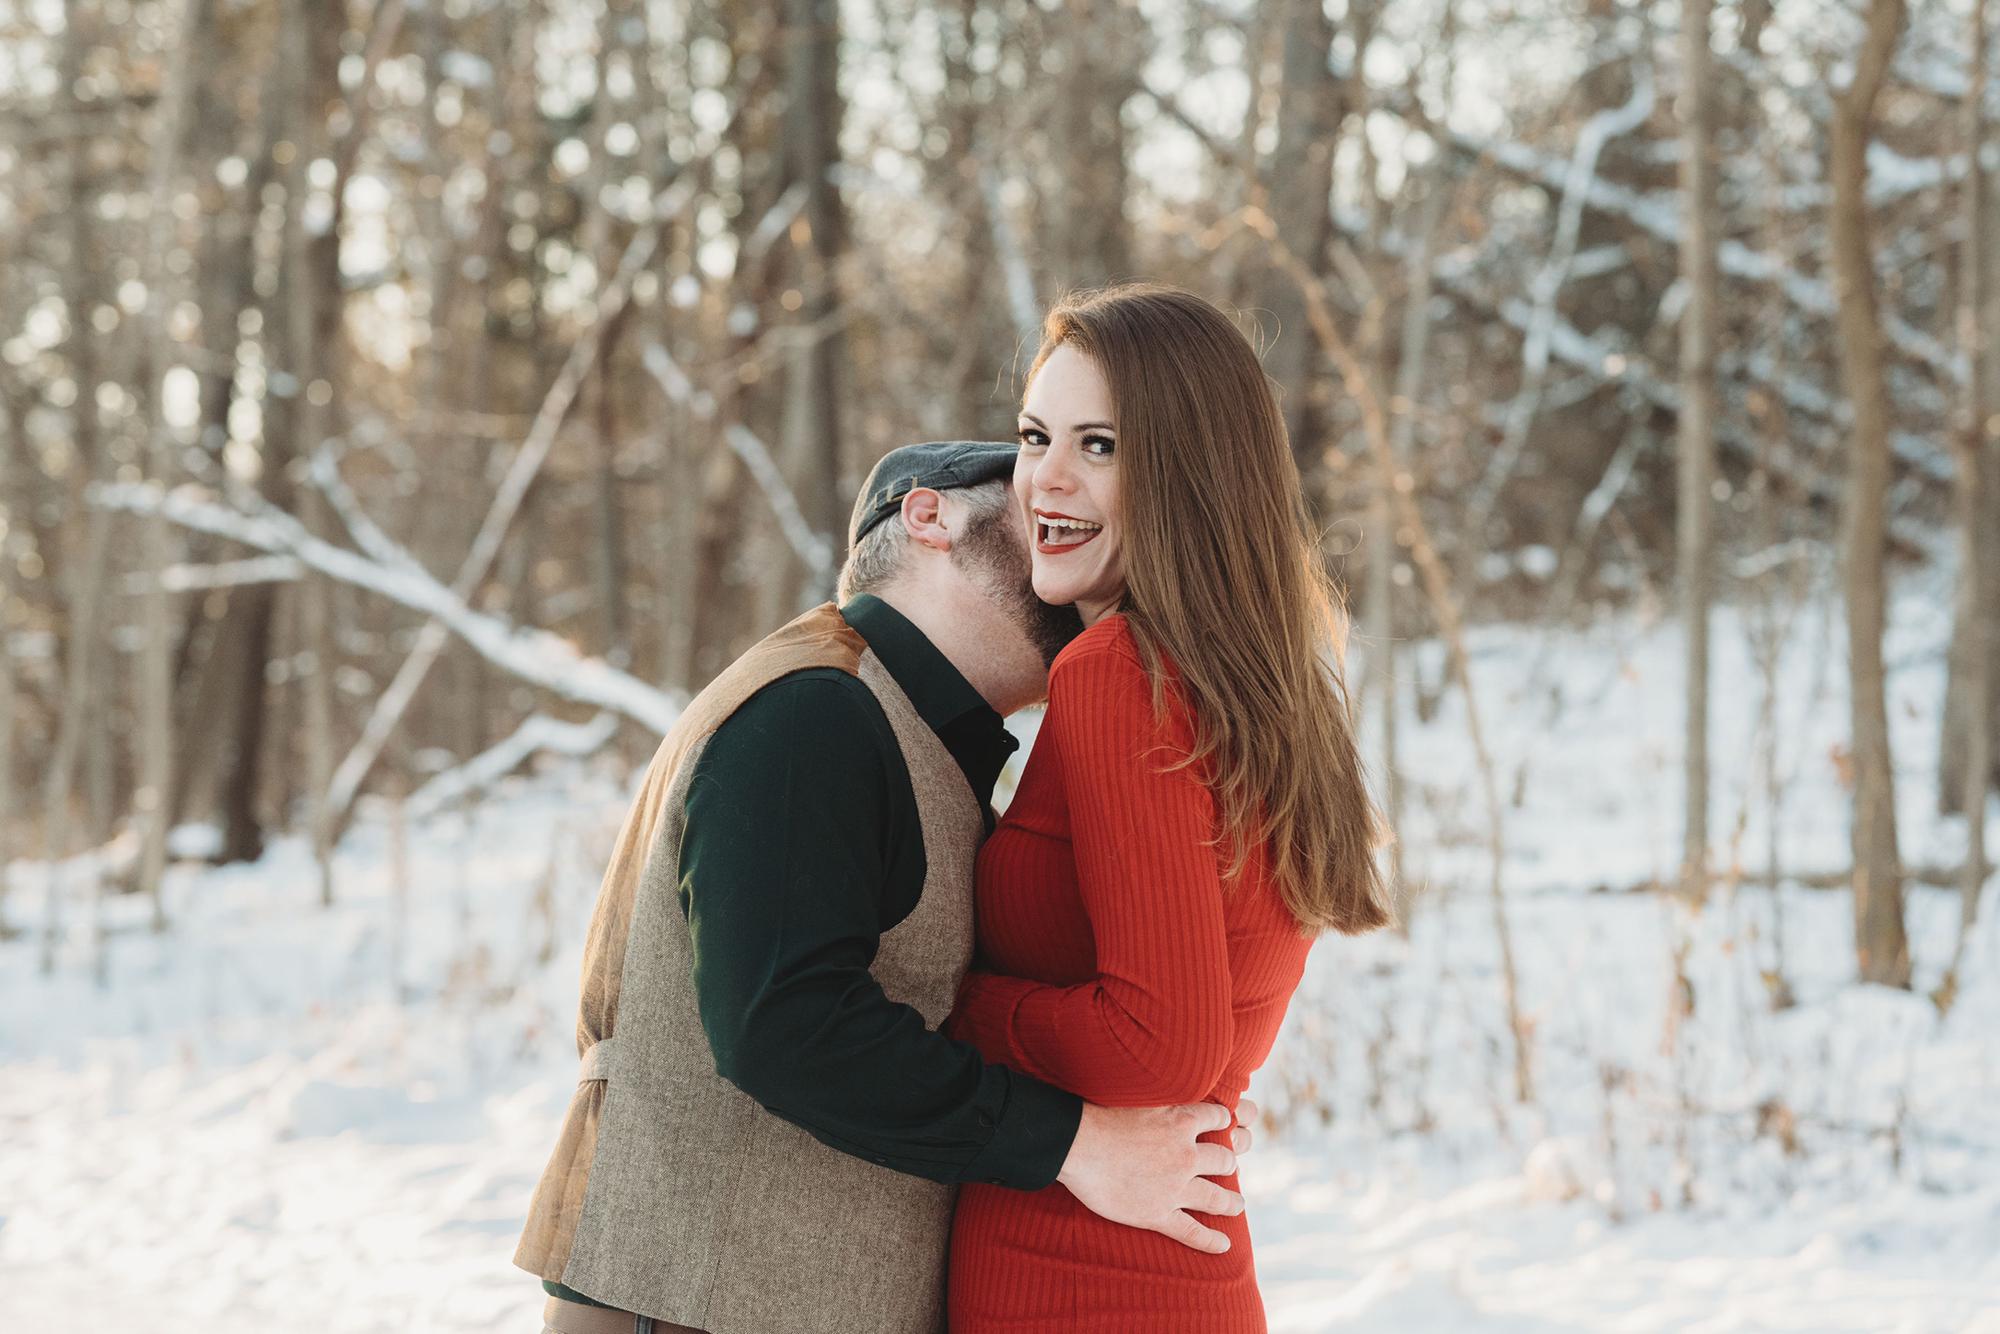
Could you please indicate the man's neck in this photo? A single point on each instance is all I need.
(996, 660)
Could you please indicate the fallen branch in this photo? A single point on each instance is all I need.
(180, 578)
(538, 733)
(534, 655)
(392, 703)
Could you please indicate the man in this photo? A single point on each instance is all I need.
(767, 1127)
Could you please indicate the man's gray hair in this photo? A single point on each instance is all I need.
(876, 560)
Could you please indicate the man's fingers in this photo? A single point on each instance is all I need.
(1209, 1116)
(1193, 1235)
(1213, 1160)
(1246, 1111)
(1205, 1197)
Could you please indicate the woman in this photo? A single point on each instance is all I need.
(1194, 811)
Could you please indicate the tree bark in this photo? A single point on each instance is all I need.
(1881, 947)
(153, 800)
(231, 708)
(85, 600)
(816, 367)
(307, 324)
(1700, 326)
(1975, 644)
(11, 543)
(1299, 190)
(1102, 49)
(1387, 542)
(615, 53)
(1975, 440)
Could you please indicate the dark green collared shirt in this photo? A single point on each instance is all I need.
(802, 847)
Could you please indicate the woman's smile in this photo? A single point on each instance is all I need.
(1057, 533)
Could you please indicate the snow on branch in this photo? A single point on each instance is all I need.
(1608, 362)
(1601, 129)
(1658, 216)
(612, 300)
(223, 574)
(538, 733)
(813, 548)
(378, 545)
(534, 655)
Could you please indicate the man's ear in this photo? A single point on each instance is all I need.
(924, 518)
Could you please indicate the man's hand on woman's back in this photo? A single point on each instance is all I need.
(1147, 1167)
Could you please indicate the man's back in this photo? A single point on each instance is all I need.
(675, 1193)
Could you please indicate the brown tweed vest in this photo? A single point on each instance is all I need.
(671, 1192)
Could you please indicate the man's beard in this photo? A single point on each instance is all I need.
(994, 551)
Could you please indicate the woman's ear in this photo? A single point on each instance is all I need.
(924, 519)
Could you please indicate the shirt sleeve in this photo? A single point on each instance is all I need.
(1153, 1027)
(788, 868)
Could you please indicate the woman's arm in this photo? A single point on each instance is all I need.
(1154, 1025)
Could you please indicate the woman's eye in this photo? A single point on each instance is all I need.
(1032, 438)
(1100, 445)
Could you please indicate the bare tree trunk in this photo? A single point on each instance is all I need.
(1700, 325)
(1975, 644)
(735, 603)
(616, 67)
(11, 542)
(308, 88)
(1379, 687)
(1310, 110)
(1385, 543)
(232, 703)
(957, 172)
(679, 526)
(153, 799)
(1102, 48)
(1266, 27)
(82, 582)
(1975, 438)
(85, 601)
(1880, 944)
(816, 368)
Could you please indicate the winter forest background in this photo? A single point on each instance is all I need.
(406, 404)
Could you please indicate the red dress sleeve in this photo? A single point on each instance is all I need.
(1154, 1025)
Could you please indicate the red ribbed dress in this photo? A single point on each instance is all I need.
(1113, 963)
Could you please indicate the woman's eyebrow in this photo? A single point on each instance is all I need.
(1081, 426)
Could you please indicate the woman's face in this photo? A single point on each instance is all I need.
(1066, 480)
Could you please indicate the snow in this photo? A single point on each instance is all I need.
(195, 841)
(332, 1118)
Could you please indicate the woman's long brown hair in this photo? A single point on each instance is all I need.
(1222, 572)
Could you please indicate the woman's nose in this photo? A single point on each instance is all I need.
(1052, 469)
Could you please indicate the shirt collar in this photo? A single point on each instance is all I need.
(940, 692)
(969, 727)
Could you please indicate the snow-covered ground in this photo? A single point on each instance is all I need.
(279, 1116)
